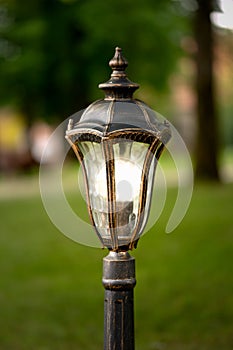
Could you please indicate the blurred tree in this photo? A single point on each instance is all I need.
(208, 130)
(52, 53)
(41, 68)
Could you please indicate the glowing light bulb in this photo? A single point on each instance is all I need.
(127, 180)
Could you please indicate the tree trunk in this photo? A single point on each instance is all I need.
(208, 135)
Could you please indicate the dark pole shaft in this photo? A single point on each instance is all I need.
(119, 281)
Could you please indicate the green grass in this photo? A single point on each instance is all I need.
(51, 295)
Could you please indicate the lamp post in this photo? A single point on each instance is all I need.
(118, 141)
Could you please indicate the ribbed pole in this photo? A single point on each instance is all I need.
(119, 281)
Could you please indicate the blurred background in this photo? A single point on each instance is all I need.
(53, 55)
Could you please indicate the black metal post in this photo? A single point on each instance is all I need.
(119, 281)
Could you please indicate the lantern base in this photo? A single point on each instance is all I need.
(124, 244)
(119, 281)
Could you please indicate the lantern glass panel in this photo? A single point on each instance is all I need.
(126, 183)
(94, 164)
(150, 183)
(129, 159)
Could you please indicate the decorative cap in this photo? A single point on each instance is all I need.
(118, 63)
(119, 86)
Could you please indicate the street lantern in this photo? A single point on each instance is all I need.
(118, 141)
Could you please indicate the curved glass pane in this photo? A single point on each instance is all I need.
(129, 158)
(94, 164)
(128, 172)
(150, 183)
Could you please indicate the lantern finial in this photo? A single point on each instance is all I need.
(119, 87)
(118, 64)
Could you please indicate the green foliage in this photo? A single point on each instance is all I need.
(54, 53)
